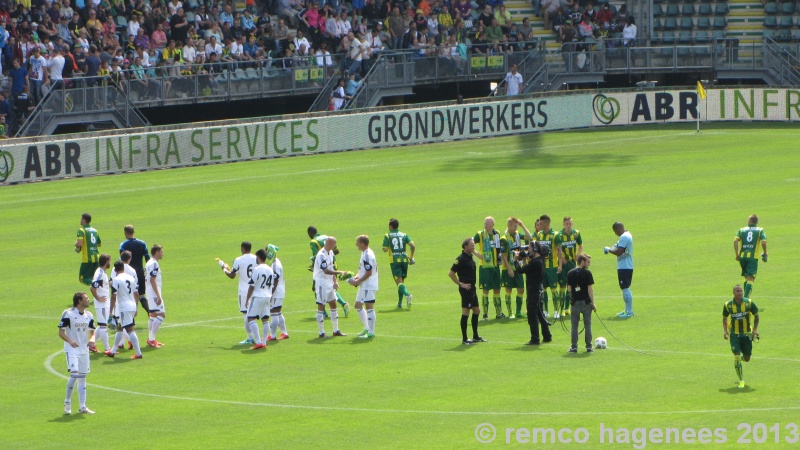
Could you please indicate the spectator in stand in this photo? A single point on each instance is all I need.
(585, 29)
(213, 47)
(464, 7)
(142, 39)
(214, 31)
(23, 105)
(397, 28)
(66, 10)
(352, 85)
(605, 17)
(134, 25)
(281, 36)
(159, 38)
(590, 13)
(324, 56)
(345, 27)
(36, 73)
(248, 22)
(189, 51)
(110, 40)
(629, 33)
(173, 6)
(486, 16)
(226, 16)
(549, 8)
(6, 116)
(559, 20)
(172, 53)
(622, 16)
(503, 18)
(425, 7)
(372, 11)
(445, 19)
(179, 27)
(19, 78)
(494, 32)
(56, 69)
(433, 25)
(92, 24)
(63, 31)
(48, 27)
(287, 10)
(479, 43)
(420, 22)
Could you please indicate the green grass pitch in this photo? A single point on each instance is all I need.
(682, 194)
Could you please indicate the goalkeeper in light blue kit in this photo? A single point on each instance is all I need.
(623, 250)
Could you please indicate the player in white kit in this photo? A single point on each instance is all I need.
(326, 286)
(125, 257)
(278, 294)
(75, 328)
(259, 295)
(367, 283)
(126, 297)
(244, 264)
(102, 300)
(155, 301)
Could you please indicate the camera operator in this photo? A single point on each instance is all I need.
(580, 282)
(530, 263)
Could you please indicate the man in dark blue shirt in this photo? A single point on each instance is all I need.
(140, 256)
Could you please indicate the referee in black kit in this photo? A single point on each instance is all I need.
(140, 256)
(534, 271)
(579, 283)
(463, 274)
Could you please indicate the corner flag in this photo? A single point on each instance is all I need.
(700, 91)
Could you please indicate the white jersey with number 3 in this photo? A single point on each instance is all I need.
(125, 286)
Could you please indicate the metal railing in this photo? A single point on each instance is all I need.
(782, 62)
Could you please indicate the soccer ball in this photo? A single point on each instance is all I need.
(600, 342)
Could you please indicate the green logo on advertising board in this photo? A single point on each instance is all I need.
(6, 166)
(606, 109)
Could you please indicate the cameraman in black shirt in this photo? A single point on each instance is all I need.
(462, 272)
(579, 283)
(534, 269)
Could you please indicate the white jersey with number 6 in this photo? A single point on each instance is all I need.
(125, 286)
(261, 280)
(244, 265)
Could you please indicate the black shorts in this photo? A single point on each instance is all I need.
(625, 277)
(469, 299)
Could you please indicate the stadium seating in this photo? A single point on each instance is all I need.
(786, 22)
(673, 10)
(770, 21)
(687, 23)
(787, 8)
(703, 23)
(688, 9)
(720, 22)
(658, 10)
(705, 9)
(771, 8)
(721, 9)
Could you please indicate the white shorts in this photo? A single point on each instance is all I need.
(153, 308)
(365, 295)
(325, 294)
(126, 319)
(242, 301)
(259, 307)
(78, 362)
(101, 313)
(276, 302)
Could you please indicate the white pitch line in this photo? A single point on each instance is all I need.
(48, 364)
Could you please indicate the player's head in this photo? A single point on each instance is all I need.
(86, 219)
(312, 231)
(512, 224)
(738, 292)
(394, 224)
(468, 245)
(752, 220)
(246, 247)
(544, 220)
(272, 252)
(261, 255)
(584, 260)
(362, 242)
(538, 225)
(618, 228)
(568, 223)
(157, 252)
(128, 231)
(80, 298)
(119, 266)
(488, 223)
(104, 260)
(125, 257)
(330, 243)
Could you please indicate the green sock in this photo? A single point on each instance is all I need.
(498, 305)
(485, 305)
(739, 368)
(340, 299)
(400, 294)
(519, 305)
(748, 287)
(403, 290)
(508, 305)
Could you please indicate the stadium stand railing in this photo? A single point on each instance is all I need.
(782, 62)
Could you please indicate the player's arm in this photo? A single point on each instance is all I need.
(386, 243)
(453, 277)
(230, 273)
(528, 235)
(755, 326)
(736, 247)
(616, 250)
(764, 247)
(413, 250)
(590, 288)
(62, 333)
(725, 327)
(79, 242)
(560, 257)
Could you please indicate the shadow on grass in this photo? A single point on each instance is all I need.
(401, 310)
(582, 353)
(68, 418)
(119, 359)
(357, 340)
(526, 348)
(235, 347)
(735, 390)
(460, 348)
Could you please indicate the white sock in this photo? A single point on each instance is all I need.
(125, 336)
(335, 319)
(362, 314)
(282, 324)
(265, 327)
(157, 321)
(254, 329)
(247, 327)
(150, 328)
(70, 387)
(321, 321)
(102, 334)
(273, 324)
(117, 341)
(135, 341)
(371, 320)
(82, 390)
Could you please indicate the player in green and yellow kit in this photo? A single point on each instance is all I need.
(487, 248)
(552, 264)
(741, 335)
(511, 242)
(396, 241)
(317, 242)
(87, 245)
(570, 242)
(750, 236)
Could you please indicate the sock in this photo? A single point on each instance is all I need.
(748, 288)
(738, 366)
(74, 376)
(628, 297)
(273, 324)
(519, 304)
(463, 329)
(403, 289)
(254, 330)
(557, 305)
(400, 294)
(82, 390)
(508, 305)
(544, 294)
(135, 341)
(485, 305)
(474, 326)
(340, 300)
(321, 321)
(282, 324)
(247, 327)
(125, 336)
(498, 305)
(371, 320)
(102, 334)
(265, 327)
(117, 341)
(335, 319)
(157, 321)
(362, 314)
(150, 327)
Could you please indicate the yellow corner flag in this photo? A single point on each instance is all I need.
(700, 91)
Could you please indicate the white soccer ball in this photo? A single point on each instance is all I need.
(601, 342)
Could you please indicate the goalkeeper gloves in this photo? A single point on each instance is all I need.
(606, 250)
(411, 261)
(764, 257)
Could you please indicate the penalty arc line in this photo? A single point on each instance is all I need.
(48, 364)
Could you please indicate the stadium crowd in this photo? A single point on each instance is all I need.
(130, 42)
